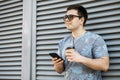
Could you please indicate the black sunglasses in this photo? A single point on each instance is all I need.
(70, 17)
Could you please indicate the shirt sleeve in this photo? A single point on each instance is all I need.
(100, 48)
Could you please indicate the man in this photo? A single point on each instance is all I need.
(88, 55)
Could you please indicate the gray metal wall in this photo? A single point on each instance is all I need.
(10, 39)
(104, 19)
(15, 39)
(30, 29)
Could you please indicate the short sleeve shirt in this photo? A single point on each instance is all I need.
(89, 45)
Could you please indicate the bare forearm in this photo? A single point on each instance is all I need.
(97, 64)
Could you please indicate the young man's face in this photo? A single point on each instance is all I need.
(73, 22)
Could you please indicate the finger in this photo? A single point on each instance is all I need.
(69, 57)
(70, 60)
(54, 59)
(68, 54)
(60, 62)
(70, 50)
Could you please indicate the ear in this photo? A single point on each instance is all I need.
(82, 20)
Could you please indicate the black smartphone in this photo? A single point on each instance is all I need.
(53, 55)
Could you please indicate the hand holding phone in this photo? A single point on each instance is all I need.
(53, 55)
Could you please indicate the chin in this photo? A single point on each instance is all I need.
(69, 29)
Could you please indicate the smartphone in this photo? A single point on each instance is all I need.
(53, 55)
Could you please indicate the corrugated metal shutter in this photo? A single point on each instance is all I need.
(10, 39)
(104, 19)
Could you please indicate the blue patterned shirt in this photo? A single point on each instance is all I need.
(89, 45)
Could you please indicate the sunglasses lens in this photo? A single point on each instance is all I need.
(70, 17)
(65, 17)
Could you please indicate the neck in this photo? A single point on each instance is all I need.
(78, 32)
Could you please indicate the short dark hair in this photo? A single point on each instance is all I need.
(81, 11)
